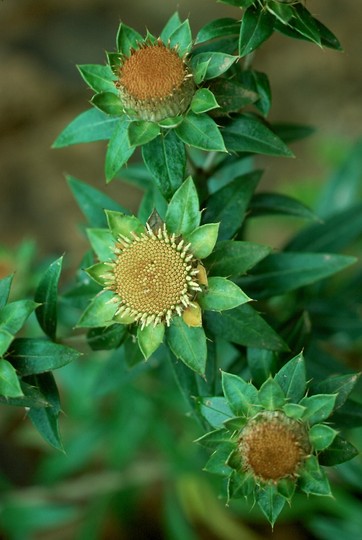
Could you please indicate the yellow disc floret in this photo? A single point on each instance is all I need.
(153, 276)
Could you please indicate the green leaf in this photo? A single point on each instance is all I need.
(282, 272)
(31, 356)
(342, 385)
(216, 63)
(102, 242)
(303, 22)
(200, 131)
(91, 125)
(257, 26)
(270, 502)
(203, 239)
(243, 325)
(99, 312)
(123, 225)
(293, 410)
(165, 158)
(31, 397)
(338, 452)
(313, 479)
(172, 24)
(119, 150)
(258, 82)
(318, 407)
(292, 378)
(188, 344)
(46, 294)
(9, 382)
(246, 133)
(261, 364)
(233, 257)
(229, 204)
(99, 78)
(183, 214)
(181, 38)
(5, 285)
(218, 28)
(92, 202)
(150, 338)
(12, 319)
(217, 464)
(98, 272)
(265, 204)
(203, 101)
(241, 396)
(106, 338)
(270, 395)
(221, 294)
(127, 39)
(109, 103)
(321, 436)
(45, 419)
(214, 438)
(141, 132)
(215, 410)
(231, 96)
(292, 132)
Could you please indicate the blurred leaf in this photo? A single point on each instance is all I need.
(342, 385)
(91, 125)
(9, 382)
(106, 338)
(5, 285)
(188, 344)
(183, 214)
(119, 150)
(292, 132)
(46, 295)
(233, 258)
(349, 415)
(275, 203)
(261, 364)
(12, 319)
(256, 27)
(201, 131)
(338, 452)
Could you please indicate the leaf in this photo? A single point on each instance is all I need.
(243, 325)
(221, 294)
(123, 225)
(215, 410)
(318, 407)
(183, 214)
(12, 319)
(127, 39)
(231, 258)
(292, 378)
(214, 438)
(261, 364)
(218, 28)
(5, 285)
(99, 78)
(92, 202)
(292, 132)
(188, 344)
(203, 101)
(31, 397)
(338, 452)
(150, 338)
(217, 464)
(99, 272)
(342, 385)
(216, 63)
(9, 382)
(200, 131)
(241, 396)
(141, 132)
(229, 204)
(283, 272)
(270, 395)
(303, 22)
(313, 479)
(231, 96)
(106, 338)
(258, 83)
(181, 38)
(257, 26)
(172, 24)
(246, 133)
(45, 419)
(31, 356)
(91, 125)
(46, 294)
(119, 150)
(264, 204)
(102, 243)
(321, 436)
(165, 158)
(270, 502)
(203, 239)
(109, 103)
(99, 312)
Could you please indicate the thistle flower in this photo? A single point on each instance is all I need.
(270, 442)
(153, 278)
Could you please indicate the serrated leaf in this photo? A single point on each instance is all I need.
(221, 294)
(142, 132)
(92, 202)
(270, 395)
(188, 344)
(215, 410)
(338, 452)
(9, 382)
(150, 338)
(318, 407)
(257, 26)
(229, 204)
(321, 436)
(127, 39)
(46, 294)
(233, 258)
(243, 325)
(183, 214)
(203, 239)
(165, 158)
(200, 131)
(241, 396)
(248, 134)
(99, 78)
(5, 286)
(292, 378)
(91, 125)
(119, 150)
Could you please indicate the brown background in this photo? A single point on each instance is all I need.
(41, 91)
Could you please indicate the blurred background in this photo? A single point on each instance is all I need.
(99, 490)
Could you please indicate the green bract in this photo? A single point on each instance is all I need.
(268, 441)
(153, 276)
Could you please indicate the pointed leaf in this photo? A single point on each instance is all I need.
(214, 438)
(261, 364)
(12, 319)
(106, 338)
(265, 204)
(241, 396)
(102, 242)
(233, 258)
(338, 452)
(109, 103)
(270, 502)
(181, 38)
(231, 96)
(127, 39)
(270, 395)
(257, 26)
(99, 78)
(5, 285)
(188, 344)
(222, 294)
(99, 272)
(203, 239)
(321, 436)
(141, 132)
(150, 338)
(183, 214)
(342, 385)
(119, 150)
(292, 378)
(318, 407)
(46, 294)
(218, 28)
(200, 131)
(99, 312)
(313, 479)
(89, 126)
(215, 410)
(203, 101)
(123, 225)
(172, 24)
(9, 382)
